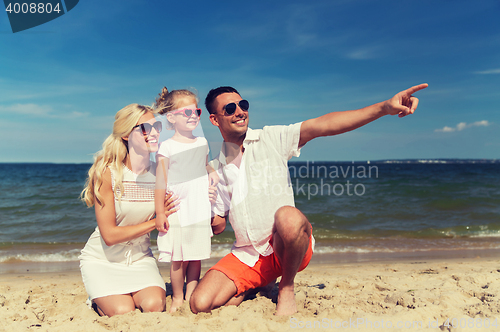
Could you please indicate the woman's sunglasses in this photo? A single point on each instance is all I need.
(231, 107)
(188, 112)
(146, 127)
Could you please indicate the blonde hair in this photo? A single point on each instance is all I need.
(114, 153)
(168, 101)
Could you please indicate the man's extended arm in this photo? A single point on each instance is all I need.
(336, 123)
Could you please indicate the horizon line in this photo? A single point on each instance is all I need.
(408, 160)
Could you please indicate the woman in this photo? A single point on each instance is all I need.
(118, 268)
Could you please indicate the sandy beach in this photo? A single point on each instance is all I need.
(456, 291)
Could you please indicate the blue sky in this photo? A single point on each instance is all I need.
(62, 82)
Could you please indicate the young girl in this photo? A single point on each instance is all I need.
(184, 237)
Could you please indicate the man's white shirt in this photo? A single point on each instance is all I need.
(254, 186)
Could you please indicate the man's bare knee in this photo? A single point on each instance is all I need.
(290, 222)
(200, 302)
(286, 211)
(214, 290)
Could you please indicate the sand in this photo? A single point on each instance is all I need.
(404, 294)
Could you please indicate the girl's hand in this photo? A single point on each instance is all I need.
(212, 194)
(213, 179)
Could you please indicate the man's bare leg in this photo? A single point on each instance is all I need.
(236, 300)
(214, 290)
(291, 234)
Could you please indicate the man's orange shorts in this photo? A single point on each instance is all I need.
(262, 273)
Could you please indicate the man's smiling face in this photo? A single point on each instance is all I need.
(232, 126)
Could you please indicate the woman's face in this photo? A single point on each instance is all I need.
(144, 137)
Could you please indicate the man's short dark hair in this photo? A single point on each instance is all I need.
(214, 93)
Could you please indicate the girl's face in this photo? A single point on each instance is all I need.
(186, 117)
(144, 137)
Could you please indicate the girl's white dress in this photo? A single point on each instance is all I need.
(125, 267)
(188, 237)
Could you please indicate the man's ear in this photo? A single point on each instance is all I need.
(214, 120)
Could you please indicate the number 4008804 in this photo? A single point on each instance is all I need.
(32, 8)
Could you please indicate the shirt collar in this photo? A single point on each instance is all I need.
(252, 135)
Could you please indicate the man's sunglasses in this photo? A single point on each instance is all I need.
(146, 127)
(188, 112)
(231, 107)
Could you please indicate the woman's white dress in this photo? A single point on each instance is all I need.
(189, 235)
(130, 266)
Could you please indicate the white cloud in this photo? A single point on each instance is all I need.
(30, 109)
(488, 72)
(365, 53)
(41, 111)
(463, 125)
(446, 129)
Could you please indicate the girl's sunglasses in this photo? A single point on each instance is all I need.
(188, 112)
(146, 127)
(231, 107)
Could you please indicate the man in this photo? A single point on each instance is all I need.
(273, 238)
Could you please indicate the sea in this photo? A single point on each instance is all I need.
(360, 208)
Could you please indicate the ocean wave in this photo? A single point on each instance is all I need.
(487, 235)
(408, 249)
(438, 161)
(457, 232)
(358, 247)
(63, 256)
(218, 251)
